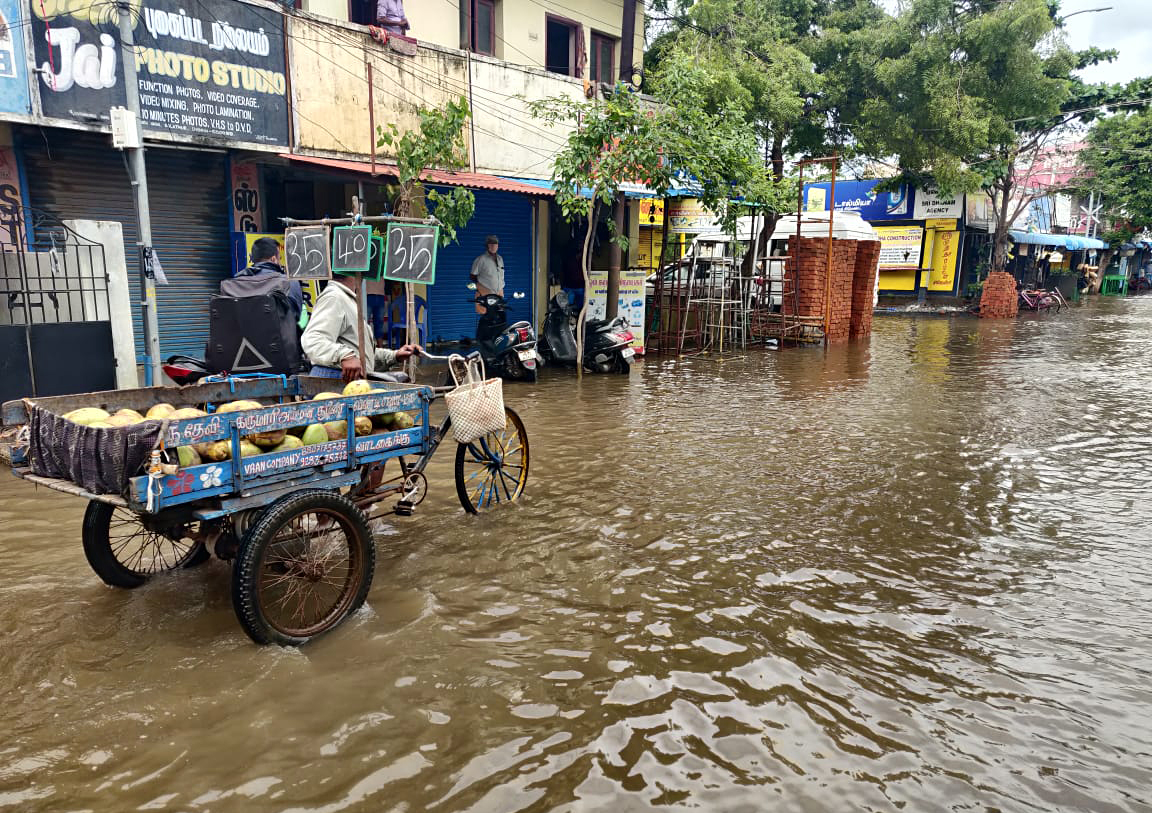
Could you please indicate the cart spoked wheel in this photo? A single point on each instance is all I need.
(493, 469)
(303, 566)
(125, 550)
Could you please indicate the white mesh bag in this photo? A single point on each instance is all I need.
(477, 404)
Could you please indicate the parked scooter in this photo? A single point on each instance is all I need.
(607, 343)
(508, 350)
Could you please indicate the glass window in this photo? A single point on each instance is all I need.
(484, 27)
(603, 57)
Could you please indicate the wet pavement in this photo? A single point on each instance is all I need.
(906, 575)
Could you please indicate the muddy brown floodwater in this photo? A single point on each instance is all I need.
(914, 574)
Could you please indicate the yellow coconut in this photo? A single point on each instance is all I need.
(131, 413)
(216, 452)
(358, 387)
(87, 416)
(159, 412)
(326, 395)
(290, 442)
(403, 421)
(363, 425)
(239, 406)
(267, 440)
(185, 414)
(122, 420)
(336, 429)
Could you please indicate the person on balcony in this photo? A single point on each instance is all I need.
(390, 16)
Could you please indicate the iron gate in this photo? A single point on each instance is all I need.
(55, 314)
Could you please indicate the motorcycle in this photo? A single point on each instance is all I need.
(607, 343)
(508, 350)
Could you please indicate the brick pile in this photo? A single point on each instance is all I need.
(999, 299)
(864, 288)
(850, 260)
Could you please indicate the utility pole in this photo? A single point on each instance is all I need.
(152, 373)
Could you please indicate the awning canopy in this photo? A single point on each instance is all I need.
(1073, 242)
(471, 180)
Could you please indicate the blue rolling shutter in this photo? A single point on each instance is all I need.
(451, 314)
(75, 175)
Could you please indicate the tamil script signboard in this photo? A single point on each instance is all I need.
(900, 246)
(210, 69)
(860, 197)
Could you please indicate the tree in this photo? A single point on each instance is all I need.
(968, 94)
(438, 143)
(623, 138)
(788, 69)
(1117, 166)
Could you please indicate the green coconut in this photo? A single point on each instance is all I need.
(314, 434)
(187, 456)
(248, 449)
(385, 420)
(403, 421)
(291, 442)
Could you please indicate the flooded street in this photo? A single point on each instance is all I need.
(912, 574)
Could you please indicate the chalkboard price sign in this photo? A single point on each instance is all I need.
(351, 249)
(411, 252)
(306, 252)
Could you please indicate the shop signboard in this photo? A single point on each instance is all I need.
(247, 207)
(652, 212)
(11, 201)
(931, 203)
(630, 304)
(860, 197)
(211, 69)
(688, 216)
(900, 246)
(14, 96)
(978, 211)
(945, 253)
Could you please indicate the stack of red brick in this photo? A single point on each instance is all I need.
(853, 267)
(999, 299)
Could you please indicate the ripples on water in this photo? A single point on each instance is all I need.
(908, 575)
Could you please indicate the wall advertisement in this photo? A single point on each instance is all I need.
(688, 216)
(860, 197)
(14, 97)
(211, 69)
(900, 246)
(630, 305)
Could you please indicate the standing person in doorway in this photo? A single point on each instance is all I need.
(390, 16)
(488, 270)
(332, 339)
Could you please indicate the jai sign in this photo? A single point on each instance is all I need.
(213, 68)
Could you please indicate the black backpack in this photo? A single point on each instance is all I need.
(253, 334)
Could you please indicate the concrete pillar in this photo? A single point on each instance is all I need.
(109, 235)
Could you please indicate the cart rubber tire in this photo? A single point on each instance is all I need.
(493, 469)
(96, 533)
(248, 595)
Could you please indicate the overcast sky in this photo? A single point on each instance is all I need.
(1126, 26)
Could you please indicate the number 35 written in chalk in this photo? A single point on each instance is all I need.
(411, 252)
(306, 253)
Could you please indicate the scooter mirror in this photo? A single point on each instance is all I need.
(561, 299)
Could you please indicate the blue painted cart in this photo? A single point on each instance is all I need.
(292, 522)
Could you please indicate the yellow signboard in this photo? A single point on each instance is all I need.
(940, 224)
(652, 212)
(945, 253)
(688, 216)
(817, 199)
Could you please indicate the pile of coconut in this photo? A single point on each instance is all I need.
(274, 440)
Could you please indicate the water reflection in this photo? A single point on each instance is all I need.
(903, 575)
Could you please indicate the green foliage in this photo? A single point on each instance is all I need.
(1118, 160)
(438, 143)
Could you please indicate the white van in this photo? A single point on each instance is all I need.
(713, 253)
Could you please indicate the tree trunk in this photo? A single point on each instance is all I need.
(615, 259)
(586, 267)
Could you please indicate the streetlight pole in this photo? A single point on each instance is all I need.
(139, 177)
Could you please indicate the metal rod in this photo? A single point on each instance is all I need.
(371, 118)
(828, 255)
(143, 214)
(348, 221)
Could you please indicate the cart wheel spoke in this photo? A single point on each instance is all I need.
(302, 567)
(125, 552)
(493, 469)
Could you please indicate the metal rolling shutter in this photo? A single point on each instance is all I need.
(79, 175)
(451, 314)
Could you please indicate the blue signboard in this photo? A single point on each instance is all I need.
(860, 197)
(14, 96)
